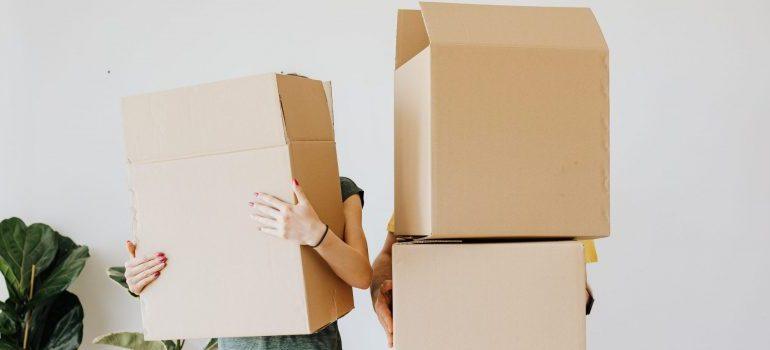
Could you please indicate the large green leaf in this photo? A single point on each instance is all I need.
(57, 324)
(63, 274)
(68, 330)
(130, 340)
(21, 247)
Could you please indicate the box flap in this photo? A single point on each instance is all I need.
(411, 37)
(305, 109)
(512, 26)
(224, 116)
(329, 99)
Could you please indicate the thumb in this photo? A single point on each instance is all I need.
(301, 198)
(131, 247)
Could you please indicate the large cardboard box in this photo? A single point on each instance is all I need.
(524, 296)
(196, 156)
(501, 122)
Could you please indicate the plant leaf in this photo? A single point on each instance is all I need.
(118, 274)
(62, 275)
(21, 247)
(130, 340)
(8, 323)
(57, 324)
(68, 330)
(212, 345)
(6, 345)
(170, 344)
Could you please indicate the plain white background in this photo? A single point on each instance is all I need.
(686, 266)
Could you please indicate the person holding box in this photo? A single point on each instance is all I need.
(348, 257)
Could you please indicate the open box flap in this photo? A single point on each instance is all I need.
(512, 26)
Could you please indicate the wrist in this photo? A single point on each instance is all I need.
(319, 231)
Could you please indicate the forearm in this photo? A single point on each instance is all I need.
(350, 265)
(382, 270)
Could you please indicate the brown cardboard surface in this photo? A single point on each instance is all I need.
(528, 296)
(191, 180)
(413, 145)
(518, 111)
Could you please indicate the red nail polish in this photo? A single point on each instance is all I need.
(256, 194)
(160, 254)
(157, 274)
(296, 183)
(162, 260)
(251, 204)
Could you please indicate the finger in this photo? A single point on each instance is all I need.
(272, 201)
(146, 273)
(390, 340)
(270, 231)
(131, 247)
(385, 316)
(137, 270)
(265, 210)
(263, 222)
(138, 261)
(386, 286)
(138, 287)
(298, 192)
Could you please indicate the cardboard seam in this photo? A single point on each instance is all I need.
(202, 154)
(487, 45)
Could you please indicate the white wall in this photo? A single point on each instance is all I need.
(686, 267)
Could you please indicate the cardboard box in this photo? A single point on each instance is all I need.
(524, 296)
(196, 156)
(501, 122)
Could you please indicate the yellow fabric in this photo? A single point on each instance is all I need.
(588, 245)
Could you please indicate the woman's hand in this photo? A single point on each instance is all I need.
(142, 271)
(383, 307)
(295, 222)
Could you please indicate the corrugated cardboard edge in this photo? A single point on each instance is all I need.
(411, 37)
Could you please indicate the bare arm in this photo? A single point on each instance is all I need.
(299, 222)
(382, 267)
(349, 258)
(382, 285)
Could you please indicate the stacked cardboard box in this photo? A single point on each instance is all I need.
(501, 135)
(195, 156)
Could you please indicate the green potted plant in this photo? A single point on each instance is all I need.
(38, 265)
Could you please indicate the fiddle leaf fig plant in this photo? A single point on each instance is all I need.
(134, 340)
(38, 265)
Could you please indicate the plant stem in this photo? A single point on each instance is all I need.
(29, 312)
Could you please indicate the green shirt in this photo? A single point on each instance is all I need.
(327, 338)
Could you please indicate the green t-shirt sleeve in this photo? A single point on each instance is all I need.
(350, 188)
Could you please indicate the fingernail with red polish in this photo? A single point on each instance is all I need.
(296, 183)
(160, 254)
(163, 259)
(251, 204)
(157, 274)
(256, 193)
